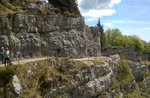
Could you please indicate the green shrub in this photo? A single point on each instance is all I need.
(80, 65)
(136, 93)
(97, 62)
(124, 75)
(4, 10)
(64, 95)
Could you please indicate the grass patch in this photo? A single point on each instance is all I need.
(31, 1)
(64, 95)
(6, 74)
(11, 7)
(80, 65)
(134, 94)
(124, 75)
(8, 9)
(44, 76)
(4, 10)
(97, 62)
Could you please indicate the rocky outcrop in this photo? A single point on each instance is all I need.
(101, 77)
(141, 72)
(88, 83)
(45, 32)
(16, 85)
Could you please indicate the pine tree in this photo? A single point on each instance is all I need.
(101, 29)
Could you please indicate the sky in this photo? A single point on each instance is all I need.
(131, 17)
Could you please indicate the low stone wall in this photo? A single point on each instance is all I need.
(129, 53)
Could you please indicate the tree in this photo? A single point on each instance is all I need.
(66, 5)
(101, 29)
(115, 37)
(100, 26)
(137, 43)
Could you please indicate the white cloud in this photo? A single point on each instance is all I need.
(44, 0)
(147, 28)
(97, 8)
(90, 19)
(86, 5)
(108, 24)
(130, 22)
(116, 1)
(99, 13)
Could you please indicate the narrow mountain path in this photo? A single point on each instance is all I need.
(23, 61)
(26, 60)
(85, 59)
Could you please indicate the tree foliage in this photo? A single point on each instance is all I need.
(101, 29)
(66, 5)
(115, 37)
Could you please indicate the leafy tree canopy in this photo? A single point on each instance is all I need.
(115, 37)
(66, 5)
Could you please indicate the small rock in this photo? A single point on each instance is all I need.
(29, 74)
(115, 58)
(17, 85)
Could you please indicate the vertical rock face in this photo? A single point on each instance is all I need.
(33, 34)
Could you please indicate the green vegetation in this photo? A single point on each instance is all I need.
(143, 76)
(80, 65)
(115, 38)
(7, 9)
(64, 95)
(4, 10)
(6, 74)
(123, 77)
(68, 7)
(135, 93)
(31, 1)
(101, 30)
(97, 61)
(124, 74)
(45, 74)
(122, 80)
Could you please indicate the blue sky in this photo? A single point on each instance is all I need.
(130, 16)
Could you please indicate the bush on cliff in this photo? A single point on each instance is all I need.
(66, 5)
(124, 75)
(6, 74)
(8, 8)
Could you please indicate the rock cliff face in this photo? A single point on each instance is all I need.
(101, 77)
(39, 30)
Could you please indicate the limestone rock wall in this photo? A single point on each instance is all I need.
(32, 34)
